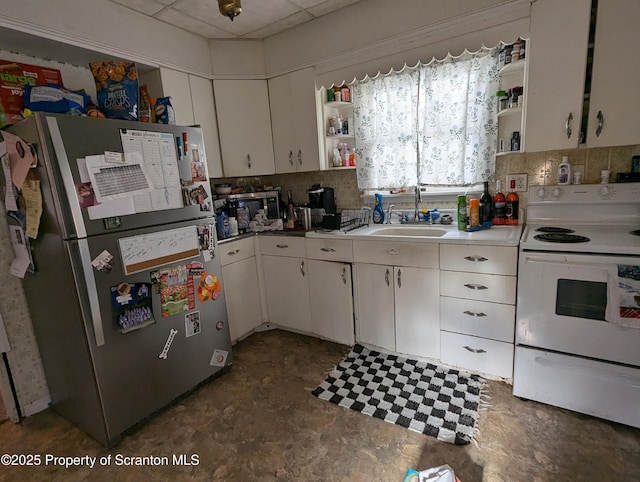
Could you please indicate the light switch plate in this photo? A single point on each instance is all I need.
(521, 182)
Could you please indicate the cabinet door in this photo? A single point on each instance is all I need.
(374, 301)
(242, 297)
(244, 123)
(204, 114)
(557, 61)
(175, 84)
(282, 123)
(305, 120)
(287, 291)
(616, 66)
(417, 310)
(331, 300)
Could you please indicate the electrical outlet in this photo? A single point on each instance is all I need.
(521, 182)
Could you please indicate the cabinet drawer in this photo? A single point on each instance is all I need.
(481, 287)
(417, 255)
(330, 249)
(279, 245)
(478, 318)
(237, 250)
(477, 354)
(479, 259)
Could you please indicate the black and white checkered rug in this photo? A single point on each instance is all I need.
(420, 396)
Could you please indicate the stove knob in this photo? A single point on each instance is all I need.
(542, 193)
(557, 192)
(605, 192)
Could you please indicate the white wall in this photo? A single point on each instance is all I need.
(238, 59)
(374, 35)
(107, 28)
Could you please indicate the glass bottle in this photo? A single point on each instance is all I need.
(511, 206)
(499, 205)
(485, 205)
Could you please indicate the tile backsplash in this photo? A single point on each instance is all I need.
(541, 169)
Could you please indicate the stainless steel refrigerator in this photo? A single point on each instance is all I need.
(127, 297)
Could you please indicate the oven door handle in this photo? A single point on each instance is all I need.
(555, 262)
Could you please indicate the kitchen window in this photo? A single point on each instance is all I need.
(433, 124)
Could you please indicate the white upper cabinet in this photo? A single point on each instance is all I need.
(557, 54)
(193, 103)
(244, 123)
(615, 103)
(294, 121)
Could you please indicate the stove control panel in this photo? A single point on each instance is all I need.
(585, 193)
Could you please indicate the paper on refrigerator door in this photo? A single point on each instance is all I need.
(116, 181)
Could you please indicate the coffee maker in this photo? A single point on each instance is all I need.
(322, 198)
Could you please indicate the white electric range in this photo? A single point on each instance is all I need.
(578, 303)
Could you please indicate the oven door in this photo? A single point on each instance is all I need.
(567, 303)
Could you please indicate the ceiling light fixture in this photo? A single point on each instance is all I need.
(230, 8)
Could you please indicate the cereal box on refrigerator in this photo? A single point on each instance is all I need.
(13, 77)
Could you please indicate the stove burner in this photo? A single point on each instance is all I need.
(553, 229)
(561, 238)
(636, 232)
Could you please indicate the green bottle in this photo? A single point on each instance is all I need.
(462, 212)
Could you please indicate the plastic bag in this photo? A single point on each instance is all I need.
(55, 98)
(164, 111)
(117, 88)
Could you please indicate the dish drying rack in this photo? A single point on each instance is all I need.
(351, 219)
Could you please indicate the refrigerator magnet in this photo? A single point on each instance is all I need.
(102, 262)
(208, 287)
(167, 345)
(219, 358)
(192, 323)
(131, 306)
(219, 325)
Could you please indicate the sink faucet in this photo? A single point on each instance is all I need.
(391, 206)
(418, 199)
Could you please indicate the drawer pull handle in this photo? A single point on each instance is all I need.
(282, 246)
(235, 251)
(328, 250)
(471, 313)
(393, 251)
(476, 259)
(473, 286)
(475, 350)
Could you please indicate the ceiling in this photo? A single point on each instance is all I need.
(259, 18)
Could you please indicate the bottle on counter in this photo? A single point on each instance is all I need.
(378, 213)
(291, 216)
(499, 206)
(233, 226)
(462, 212)
(485, 205)
(474, 212)
(512, 205)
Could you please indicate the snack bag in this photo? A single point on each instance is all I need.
(164, 111)
(55, 98)
(117, 88)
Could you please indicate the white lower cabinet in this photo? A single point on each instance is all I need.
(398, 309)
(242, 293)
(477, 307)
(478, 354)
(287, 289)
(331, 300)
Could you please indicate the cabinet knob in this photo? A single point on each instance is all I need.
(567, 126)
(235, 251)
(600, 118)
(475, 350)
(291, 157)
(476, 259)
(474, 286)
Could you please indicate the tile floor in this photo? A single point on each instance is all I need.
(259, 422)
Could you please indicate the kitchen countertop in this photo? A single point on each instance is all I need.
(496, 235)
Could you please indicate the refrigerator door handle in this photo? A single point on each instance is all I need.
(67, 177)
(92, 292)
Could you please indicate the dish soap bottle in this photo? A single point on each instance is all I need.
(564, 171)
(378, 213)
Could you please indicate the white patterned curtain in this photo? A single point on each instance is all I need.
(457, 120)
(385, 118)
(433, 124)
